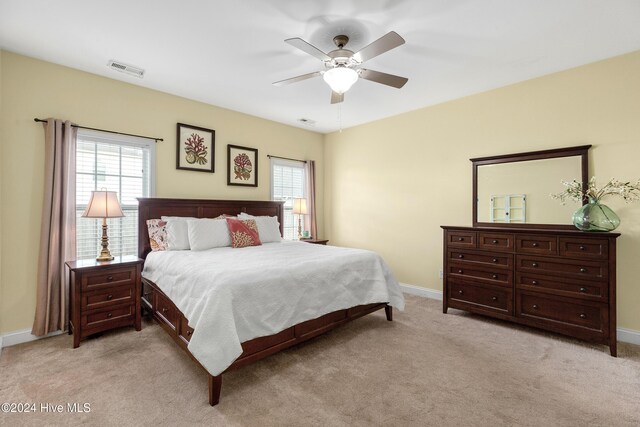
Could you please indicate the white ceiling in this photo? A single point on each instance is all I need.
(227, 53)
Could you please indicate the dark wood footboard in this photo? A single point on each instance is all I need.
(175, 324)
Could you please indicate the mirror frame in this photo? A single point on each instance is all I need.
(582, 151)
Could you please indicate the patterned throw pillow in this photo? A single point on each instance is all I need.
(243, 233)
(157, 234)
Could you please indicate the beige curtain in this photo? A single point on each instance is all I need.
(58, 227)
(310, 220)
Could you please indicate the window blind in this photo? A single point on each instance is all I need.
(116, 163)
(287, 183)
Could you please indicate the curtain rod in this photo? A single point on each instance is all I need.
(286, 158)
(104, 130)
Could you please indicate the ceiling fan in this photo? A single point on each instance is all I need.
(343, 66)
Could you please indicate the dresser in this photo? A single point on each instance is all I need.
(103, 295)
(562, 281)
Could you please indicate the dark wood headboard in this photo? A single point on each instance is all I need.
(151, 208)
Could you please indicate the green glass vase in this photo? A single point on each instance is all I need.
(594, 216)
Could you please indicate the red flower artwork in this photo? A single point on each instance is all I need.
(242, 166)
(195, 149)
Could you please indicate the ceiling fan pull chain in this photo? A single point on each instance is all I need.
(340, 117)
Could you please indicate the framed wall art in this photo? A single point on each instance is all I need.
(242, 166)
(195, 148)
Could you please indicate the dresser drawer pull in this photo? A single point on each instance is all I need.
(460, 239)
(109, 278)
(583, 290)
(494, 276)
(495, 242)
(461, 292)
(535, 306)
(495, 260)
(534, 282)
(583, 316)
(459, 271)
(460, 256)
(534, 244)
(535, 264)
(583, 270)
(494, 298)
(109, 315)
(109, 297)
(582, 248)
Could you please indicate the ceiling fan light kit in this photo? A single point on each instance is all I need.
(343, 65)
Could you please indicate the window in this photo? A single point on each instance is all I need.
(287, 183)
(116, 163)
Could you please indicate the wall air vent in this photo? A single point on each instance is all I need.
(127, 69)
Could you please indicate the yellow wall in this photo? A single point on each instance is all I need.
(390, 184)
(32, 88)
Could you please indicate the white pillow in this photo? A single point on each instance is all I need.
(268, 227)
(177, 232)
(208, 233)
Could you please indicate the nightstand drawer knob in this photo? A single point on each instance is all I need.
(461, 292)
(583, 290)
(583, 270)
(494, 276)
(534, 282)
(583, 316)
(495, 260)
(459, 271)
(534, 244)
(109, 278)
(460, 256)
(109, 297)
(494, 298)
(535, 264)
(582, 248)
(109, 315)
(495, 242)
(535, 306)
(460, 239)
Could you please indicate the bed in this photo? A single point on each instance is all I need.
(227, 308)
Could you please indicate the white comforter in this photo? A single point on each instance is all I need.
(233, 295)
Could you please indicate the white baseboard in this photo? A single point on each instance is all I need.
(19, 337)
(625, 335)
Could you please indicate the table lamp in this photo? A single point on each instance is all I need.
(300, 208)
(103, 204)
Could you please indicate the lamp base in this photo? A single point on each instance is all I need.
(105, 254)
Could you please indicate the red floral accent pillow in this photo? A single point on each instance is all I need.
(243, 233)
(157, 234)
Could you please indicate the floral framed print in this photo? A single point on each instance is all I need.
(242, 166)
(195, 149)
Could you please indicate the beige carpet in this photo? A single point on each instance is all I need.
(425, 368)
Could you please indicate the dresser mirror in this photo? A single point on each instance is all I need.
(514, 190)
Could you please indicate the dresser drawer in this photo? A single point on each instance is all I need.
(582, 289)
(537, 244)
(462, 239)
(589, 270)
(496, 241)
(117, 296)
(586, 315)
(584, 248)
(166, 310)
(105, 318)
(486, 298)
(108, 277)
(488, 275)
(483, 258)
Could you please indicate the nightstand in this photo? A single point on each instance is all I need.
(315, 241)
(103, 295)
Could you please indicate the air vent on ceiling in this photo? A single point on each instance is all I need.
(127, 69)
(307, 122)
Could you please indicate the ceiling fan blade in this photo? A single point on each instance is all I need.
(308, 48)
(297, 79)
(383, 78)
(336, 97)
(385, 43)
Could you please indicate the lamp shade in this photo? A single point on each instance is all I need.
(103, 204)
(340, 79)
(300, 206)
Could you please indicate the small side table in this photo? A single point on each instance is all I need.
(315, 241)
(103, 295)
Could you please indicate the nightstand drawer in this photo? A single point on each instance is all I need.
(111, 278)
(117, 296)
(105, 318)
